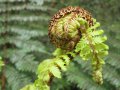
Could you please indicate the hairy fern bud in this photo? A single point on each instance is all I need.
(65, 27)
(74, 32)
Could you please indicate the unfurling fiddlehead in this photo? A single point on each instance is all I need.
(74, 32)
(65, 27)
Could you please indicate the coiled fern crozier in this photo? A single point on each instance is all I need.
(74, 32)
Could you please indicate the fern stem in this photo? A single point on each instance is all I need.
(93, 49)
(51, 76)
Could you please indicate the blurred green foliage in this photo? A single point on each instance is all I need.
(24, 43)
(1, 64)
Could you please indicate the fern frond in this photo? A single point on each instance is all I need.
(24, 7)
(29, 87)
(51, 68)
(14, 78)
(91, 47)
(11, 1)
(112, 78)
(26, 19)
(25, 64)
(78, 76)
(27, 33)
(116, 62)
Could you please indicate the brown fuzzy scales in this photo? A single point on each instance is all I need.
(66, 40)
(61, 13)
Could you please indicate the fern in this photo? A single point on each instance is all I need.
(90, 46)
(15, 78)
(51, 68)
(36, 30)
(48, 69)
(84, 80)
(21, 40)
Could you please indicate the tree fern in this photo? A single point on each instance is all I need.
(90, 46)
(108, 15)
(106, 11)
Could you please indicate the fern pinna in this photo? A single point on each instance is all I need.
(74, 32)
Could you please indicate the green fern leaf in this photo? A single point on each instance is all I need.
(29, 87)
(61, 64)
(55, 71)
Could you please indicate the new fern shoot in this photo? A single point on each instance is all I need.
(74, 32)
